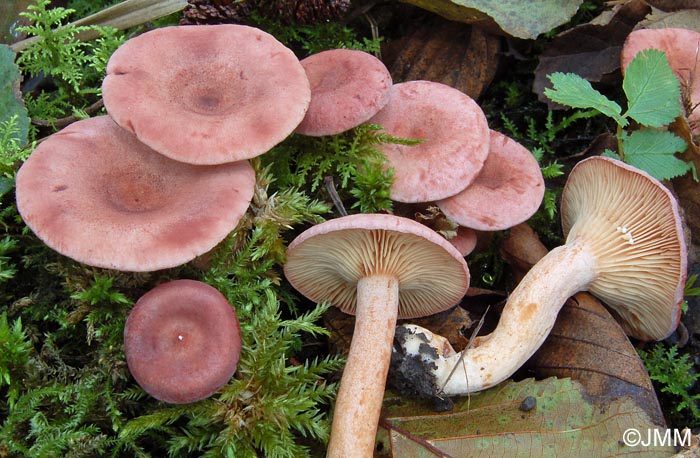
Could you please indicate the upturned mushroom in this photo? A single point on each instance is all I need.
(206, 94)
(182, 341)
(454, 134)
(347, 88)
(624, 244)
(507, 191)
(377, 267)
(96, 194)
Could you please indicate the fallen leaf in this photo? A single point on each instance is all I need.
(447, 52)
(11, 103)
(551, 417)
(591, 51)
(516, 18)
(588, 345)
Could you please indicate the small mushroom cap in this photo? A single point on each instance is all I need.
(182, 341)
(681, 48)
(326, 262)
(455, 134)
(96, 194)
(508, 190)
(632, 223)
(465, 240)
(347, 88)
(206, 94)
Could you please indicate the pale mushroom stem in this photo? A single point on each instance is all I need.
(526, 320)
(359, 400)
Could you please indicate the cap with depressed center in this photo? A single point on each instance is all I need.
(206, 94)
(508, 190)
(377, 267)
(96, 194)
(624, 244)
(347, 88)
(182, 341)
(455, 138)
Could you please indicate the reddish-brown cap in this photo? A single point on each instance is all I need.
(94, 193)
(681, 49)
(206, 94)
(347, 88)
(326, 262)
(508, 190)
(182, 341)
(633, 225)
(455, 138)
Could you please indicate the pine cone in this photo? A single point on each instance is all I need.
(285, 11)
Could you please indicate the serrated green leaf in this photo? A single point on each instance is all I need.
(11, 103)
(654, 152)
(653, 91)
(574, 91)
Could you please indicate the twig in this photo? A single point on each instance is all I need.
(63, 122)
(419, 440)
(330, 187)
(461, 355)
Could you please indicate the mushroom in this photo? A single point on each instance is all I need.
(681, 49)
(182, 341)
(465, 240)
(377, 267)
(347, 88)
(455, 138)
(96, 194)
(206, 94)
(624, 244)
(507, 191)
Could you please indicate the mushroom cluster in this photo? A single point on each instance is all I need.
(164, 178)
(480, 179)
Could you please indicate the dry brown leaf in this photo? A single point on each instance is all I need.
(447, 52)
(591, 51)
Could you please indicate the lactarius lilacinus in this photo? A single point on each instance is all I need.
(624, 244)
(377, 267)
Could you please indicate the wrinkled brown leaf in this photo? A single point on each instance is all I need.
(591, 51)
(451, 53)
(684, 19)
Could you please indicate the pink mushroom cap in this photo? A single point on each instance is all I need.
(508, 190)
(206, 94)
(347, 88)
(182, 341)
(455, 134)
(96, 194)
(681, 49)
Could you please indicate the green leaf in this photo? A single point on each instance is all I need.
(654, 152)
(574, 91)
(517, 18)
(653, 91)
(563, 421)
(11, 103)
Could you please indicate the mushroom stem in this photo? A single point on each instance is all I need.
(525, 322)
(359, 400)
